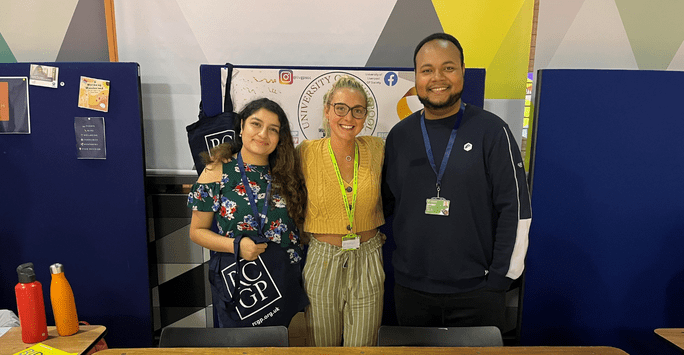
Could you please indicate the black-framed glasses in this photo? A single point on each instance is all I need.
(341, 109)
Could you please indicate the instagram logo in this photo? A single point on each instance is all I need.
(285, 76)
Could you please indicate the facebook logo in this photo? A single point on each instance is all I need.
(391, 78)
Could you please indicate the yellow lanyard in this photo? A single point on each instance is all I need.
(350, 209)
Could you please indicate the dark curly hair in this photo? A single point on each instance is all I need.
(288, 180)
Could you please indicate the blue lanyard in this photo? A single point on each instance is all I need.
(447, 152)
(260, 219)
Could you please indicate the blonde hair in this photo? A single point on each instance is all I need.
(344, 82)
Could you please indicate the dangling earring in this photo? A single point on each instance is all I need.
(240, 134)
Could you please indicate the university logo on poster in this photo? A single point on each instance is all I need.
(300, 92)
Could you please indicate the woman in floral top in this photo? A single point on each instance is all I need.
(264, 144)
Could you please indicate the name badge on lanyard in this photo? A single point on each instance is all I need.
(439, 206)
(352, 240)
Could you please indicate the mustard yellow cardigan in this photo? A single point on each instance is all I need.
(325, 213)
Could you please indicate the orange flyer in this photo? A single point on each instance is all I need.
(4, 101)
(94, 94)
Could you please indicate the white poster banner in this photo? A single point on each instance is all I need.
(300, 93)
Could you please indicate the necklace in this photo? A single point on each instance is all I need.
(349, 157)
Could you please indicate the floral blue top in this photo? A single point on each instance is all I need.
(229, 201)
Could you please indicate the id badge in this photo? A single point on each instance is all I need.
(351, 241)
(437, 206)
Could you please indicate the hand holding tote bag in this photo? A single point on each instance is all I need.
(262, 292)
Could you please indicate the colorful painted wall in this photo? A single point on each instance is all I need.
(53, 31)
(171, 38)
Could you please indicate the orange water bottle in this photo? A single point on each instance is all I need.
(63, 304)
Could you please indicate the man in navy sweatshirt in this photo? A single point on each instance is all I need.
(454, 179)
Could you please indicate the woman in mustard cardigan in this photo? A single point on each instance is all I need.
(343, 275)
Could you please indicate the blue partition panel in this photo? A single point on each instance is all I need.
(606, 258)
(88, 215)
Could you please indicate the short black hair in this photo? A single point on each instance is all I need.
(434, 36)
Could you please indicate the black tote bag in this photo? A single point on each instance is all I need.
(209, 132)
(263, 292)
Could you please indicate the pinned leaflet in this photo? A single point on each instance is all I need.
(90, 138)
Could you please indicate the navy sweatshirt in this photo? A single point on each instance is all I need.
(483, 241)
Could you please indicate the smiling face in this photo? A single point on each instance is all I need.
(345, 127)
(260, 136)
(439, 78)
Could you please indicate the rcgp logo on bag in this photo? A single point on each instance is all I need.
(216, 138)
(257, 289)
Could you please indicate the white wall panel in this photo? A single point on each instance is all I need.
(19, 19)
(170, 39)
(596, 39)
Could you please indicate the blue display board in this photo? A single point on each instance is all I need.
(605, 264)
(87, 214)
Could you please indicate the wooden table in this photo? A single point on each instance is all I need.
(395, 350)
(673, 335)
(80, 343)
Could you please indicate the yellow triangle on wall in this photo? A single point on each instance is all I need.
(480, 26)
(507, 73)
(495, 35)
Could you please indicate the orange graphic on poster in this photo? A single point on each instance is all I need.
(4, 101)
(403, 109)
(94, 94)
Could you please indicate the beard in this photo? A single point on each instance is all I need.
(449, 102)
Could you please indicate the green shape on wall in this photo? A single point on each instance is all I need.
(654, 29)
(6, 55)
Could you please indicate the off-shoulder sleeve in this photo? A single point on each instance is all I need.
(205, 197)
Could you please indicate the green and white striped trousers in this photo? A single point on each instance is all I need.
(345, 288)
